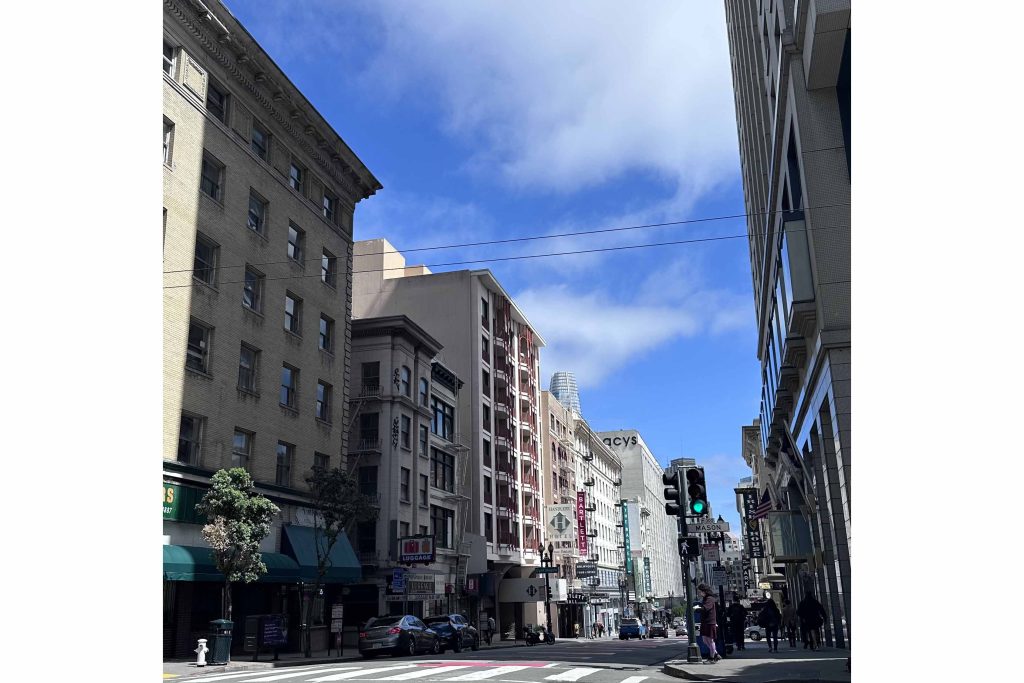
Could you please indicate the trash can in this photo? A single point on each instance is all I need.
(220, 641)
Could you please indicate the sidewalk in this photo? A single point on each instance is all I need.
(756, 665)
(180, 668)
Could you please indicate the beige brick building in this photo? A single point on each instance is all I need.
(258, 199)
(791, 76)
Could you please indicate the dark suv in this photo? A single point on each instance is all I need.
(658, 629)
(454, 632)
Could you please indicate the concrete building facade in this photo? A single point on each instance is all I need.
(641, 481)
(259, 194)
(491, 346)
(791, 77)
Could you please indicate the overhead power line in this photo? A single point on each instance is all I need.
(498, 259)
(529, 238)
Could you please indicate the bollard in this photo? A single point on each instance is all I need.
(201, 652)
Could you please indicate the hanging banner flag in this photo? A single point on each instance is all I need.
(559, 522)
(581, 523)
(647, 576)
(625, 538)
(634, 527)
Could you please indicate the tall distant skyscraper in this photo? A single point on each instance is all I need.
(563, 388)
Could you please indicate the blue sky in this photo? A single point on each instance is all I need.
(490, 120)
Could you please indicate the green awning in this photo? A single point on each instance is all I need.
(300, 543)
(192, 563)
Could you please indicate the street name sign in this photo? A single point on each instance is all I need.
(707, 527)
(546, 570)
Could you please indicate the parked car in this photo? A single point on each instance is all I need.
(454, 632)
(397, 634)
(755, 632)
(631, 628)
(658, 629)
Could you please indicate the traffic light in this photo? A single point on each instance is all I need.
(697, 491)
(689, 546)
(549, 594)
(673, 493)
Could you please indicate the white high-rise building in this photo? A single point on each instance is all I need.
(563, 387)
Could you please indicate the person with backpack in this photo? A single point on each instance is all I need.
(789, 622)
(770, 618)
(812, 616)
(709, 621)
(737, 614)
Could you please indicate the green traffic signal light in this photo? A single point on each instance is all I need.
(698, 506)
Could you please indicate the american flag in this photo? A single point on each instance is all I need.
(763, 508)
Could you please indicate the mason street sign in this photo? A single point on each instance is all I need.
(707, 527)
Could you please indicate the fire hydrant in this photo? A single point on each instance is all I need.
(201, 652)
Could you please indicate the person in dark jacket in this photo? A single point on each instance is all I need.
(737, 614)
(812, 616)
(770, 618)
(709, 621)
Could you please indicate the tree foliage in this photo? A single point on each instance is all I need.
(241, 520)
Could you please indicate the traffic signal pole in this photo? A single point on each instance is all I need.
(675, 494)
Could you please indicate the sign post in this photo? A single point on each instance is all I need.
(337, 626)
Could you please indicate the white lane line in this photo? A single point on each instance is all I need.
(573, 674)
(425, 672)
(359, 673)
(243, 674)
(487, 673)
(292, 674)
(633, 679)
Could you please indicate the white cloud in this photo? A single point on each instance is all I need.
(563, 96)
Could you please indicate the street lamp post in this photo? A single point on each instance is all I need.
(622, 595)
(721, 590)
(547, 561)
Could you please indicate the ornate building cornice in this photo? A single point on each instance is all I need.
(250, 67)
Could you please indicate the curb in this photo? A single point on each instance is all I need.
(677, 672)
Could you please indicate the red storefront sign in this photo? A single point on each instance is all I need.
(581, 522)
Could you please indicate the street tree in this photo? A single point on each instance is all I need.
(338, 504)
(241, 519)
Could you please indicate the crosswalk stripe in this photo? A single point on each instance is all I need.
(487, 673)
(292, 674)
(223, 677)
(633, 679)
(426, 671)
(358, 673)
(573, 674)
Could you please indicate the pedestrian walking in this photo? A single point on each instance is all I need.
(600, 629)
(490, 629)
(709, 621)
(770, 618)
(576, 629)
(789, 622)
(812, 616)
(737, 614)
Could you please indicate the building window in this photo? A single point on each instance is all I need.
(289, 385)
(424, 495)
(285, 457)
(369, 424)
(323, 401)
(241, 448)
(368, 480)
(403, 529)
(296, 174)
(190, 438)
(406, 431)
(168, 141)
(487, 490)
(443, 421)
(248, 364)
(321, 461)
(197, 356)
(169, 59)
(217, 101)
(260, 141)
(487, 453)
(423, 530)
(371, 376)
(423, 440)
(292, 313)
(442, 520)
(252, 289)
(424, 391)
(204, 263)
(404, 489)
(257, 213)
(366, 537)
(326, 342)
(485, 316)
(329, 269)
(485, 349)
(442, 470)
(406, 378)
(488, 524)
(485, 382)
(296, 242)
(211, 177)
(330, 207)
(487, 417)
